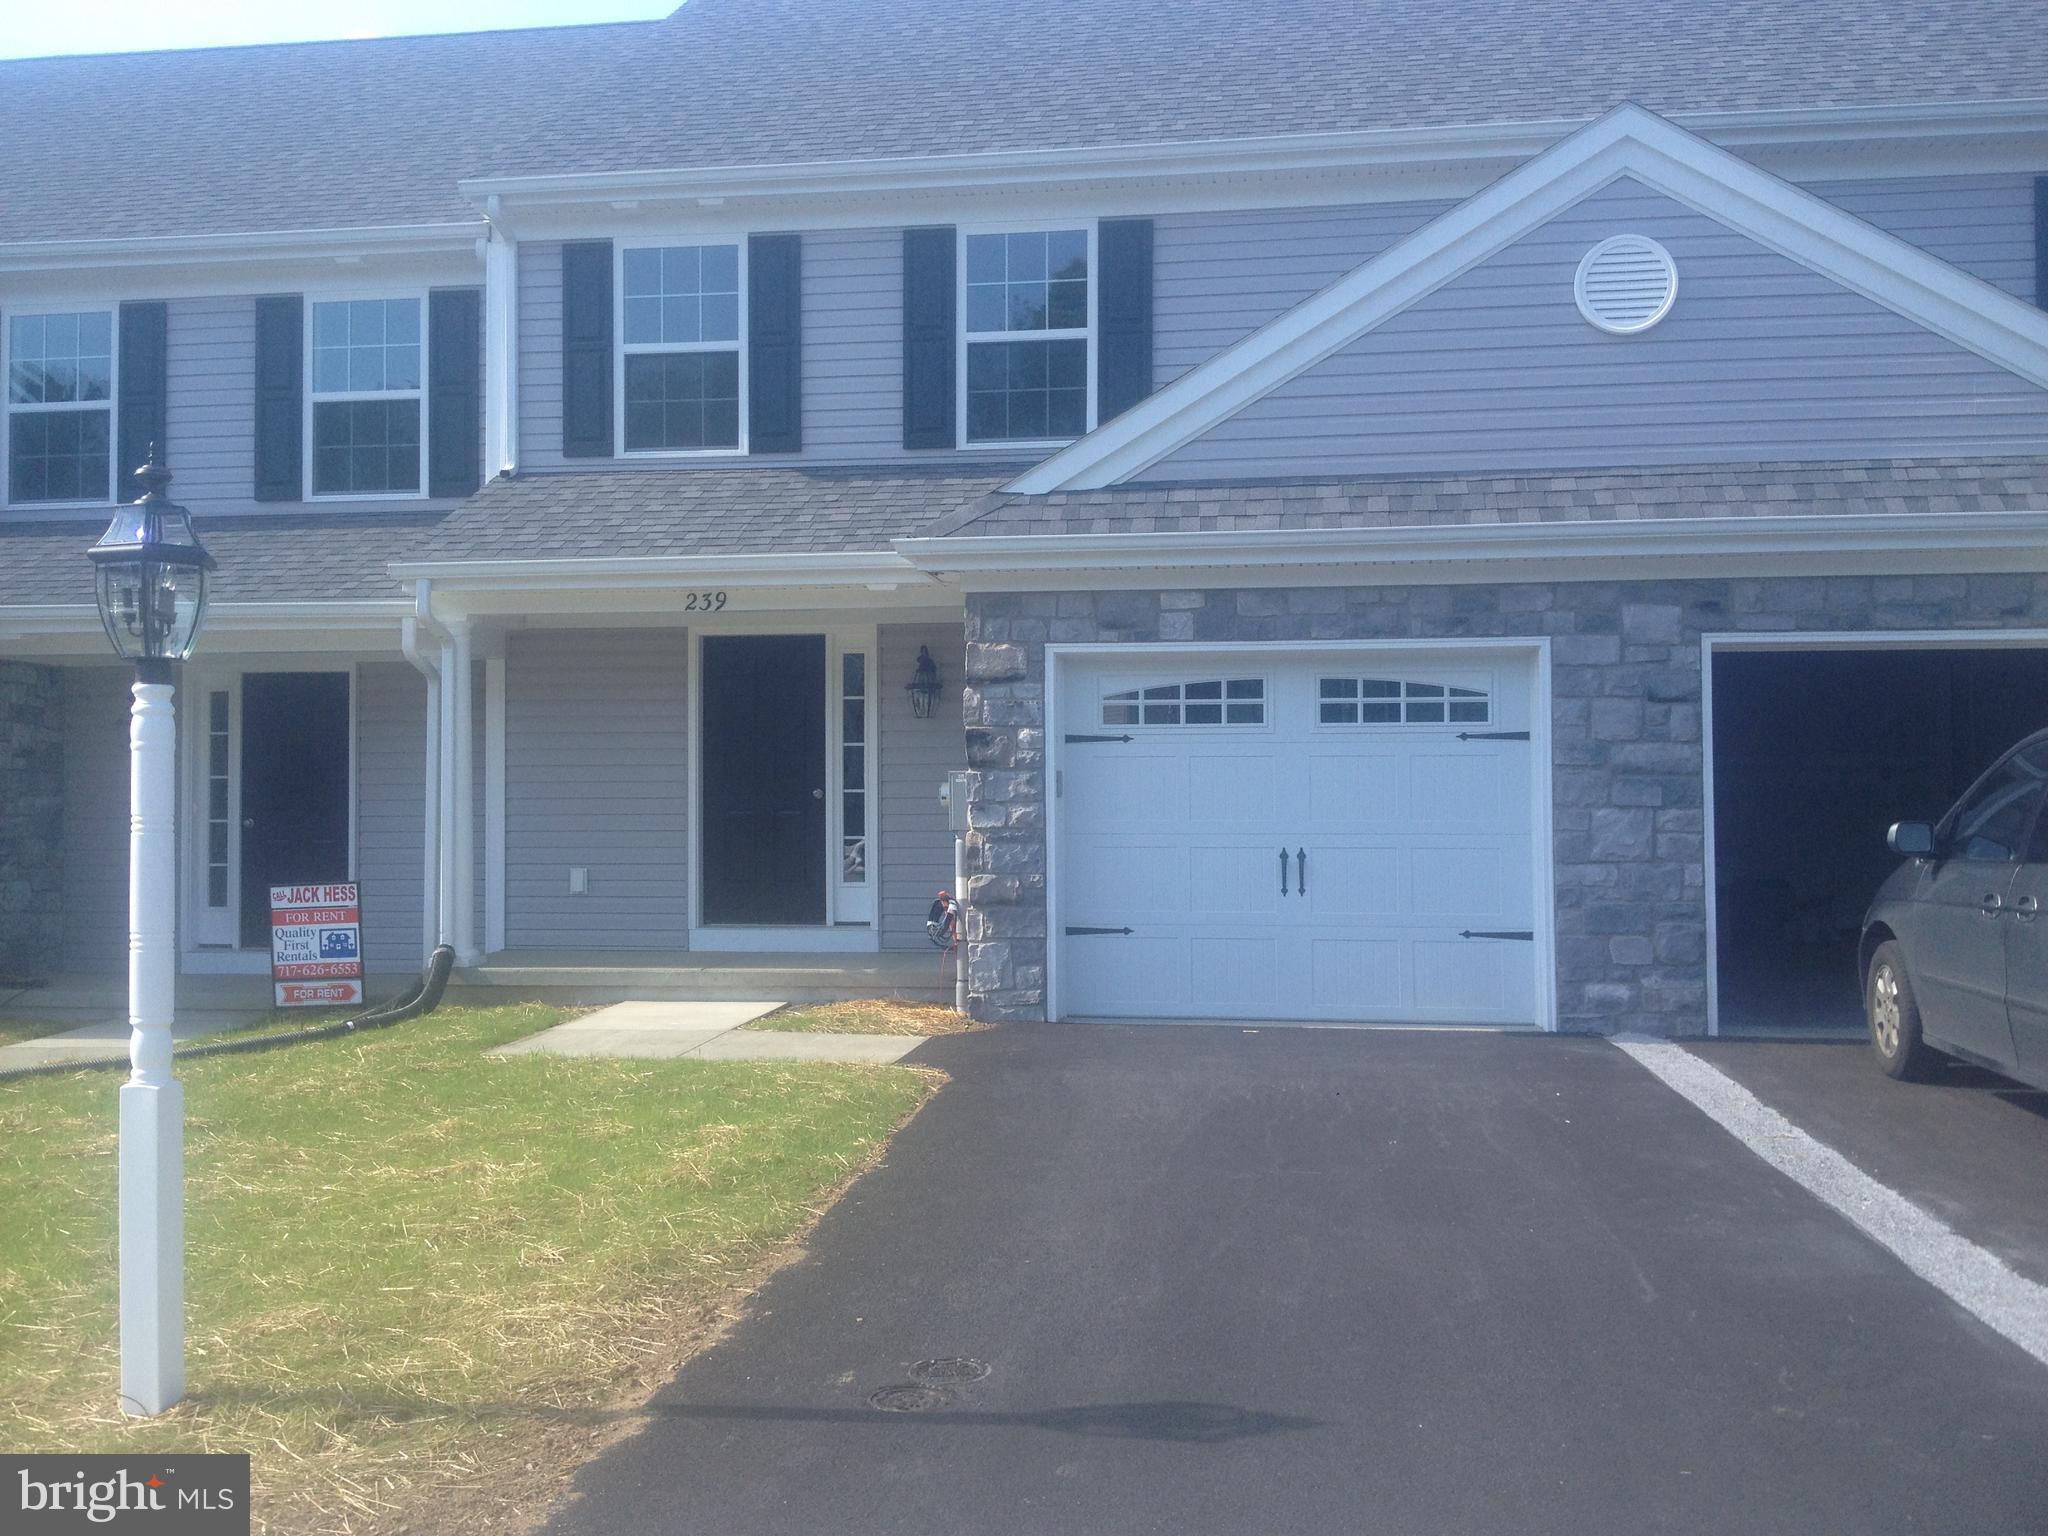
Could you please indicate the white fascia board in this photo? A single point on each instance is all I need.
(279, 245)
(2011, 537)
(654, 571)
(1628, 142)
(1366, 149)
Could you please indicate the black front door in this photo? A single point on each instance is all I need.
(763, 814)
(294, 788)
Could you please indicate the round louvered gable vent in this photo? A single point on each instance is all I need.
(1626, 284)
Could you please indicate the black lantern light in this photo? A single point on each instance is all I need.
(151, 573)
(923, 686)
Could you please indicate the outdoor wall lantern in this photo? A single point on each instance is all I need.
(923, 686)
(150, 576)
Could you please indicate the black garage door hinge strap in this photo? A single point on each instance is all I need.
(1073, 739)
(1493, 735)
(1072, 932)
(1497, 933)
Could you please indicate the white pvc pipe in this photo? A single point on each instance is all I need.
(152, 1156)
(960, 918)
(462, 683)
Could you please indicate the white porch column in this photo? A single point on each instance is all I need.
(494, 801)
(460, 682)
(152, 1174)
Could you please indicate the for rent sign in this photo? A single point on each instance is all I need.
(316, 945)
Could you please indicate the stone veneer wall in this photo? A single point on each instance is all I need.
(31, 818)
(1629, 831)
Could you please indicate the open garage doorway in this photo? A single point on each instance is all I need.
(1816, 751)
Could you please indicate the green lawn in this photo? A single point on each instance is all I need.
(414, 1270)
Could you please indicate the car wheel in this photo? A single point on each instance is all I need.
(1894, 1016)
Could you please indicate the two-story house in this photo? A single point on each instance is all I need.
(1423, 513)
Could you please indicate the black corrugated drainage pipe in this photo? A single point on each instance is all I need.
(417, 1000)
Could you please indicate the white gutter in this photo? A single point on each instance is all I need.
(792, 570)
(251, 245)
(1380, 148)
(2022, 534)
(25, 620)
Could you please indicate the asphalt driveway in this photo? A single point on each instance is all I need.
(1318, 1281)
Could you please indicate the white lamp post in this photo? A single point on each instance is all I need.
(151, 577)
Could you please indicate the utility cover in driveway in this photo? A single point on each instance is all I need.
(1337, 835)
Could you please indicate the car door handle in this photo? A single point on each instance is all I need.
(1993, 905)
(2026, 908)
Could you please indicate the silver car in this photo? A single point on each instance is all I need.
(1955, 947)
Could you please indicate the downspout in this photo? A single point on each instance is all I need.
(441, 790)
(430, 874)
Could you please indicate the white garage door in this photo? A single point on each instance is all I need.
(1332, 836)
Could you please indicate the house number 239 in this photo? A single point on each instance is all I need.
(703, 602)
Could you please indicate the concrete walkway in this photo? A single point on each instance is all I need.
(108, 1039)
(710, 1031)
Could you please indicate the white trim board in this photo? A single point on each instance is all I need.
(1628, 142)
(1824, 640)
(1531, 651)
(1459, 552)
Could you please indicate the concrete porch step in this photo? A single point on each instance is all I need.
(556, 976)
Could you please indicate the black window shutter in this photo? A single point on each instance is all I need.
(280, 398)
(455, 391)
(587, 349)
(2041, 241)
(1123, 307)
(140, 413)
(775, 406)
(928, 338)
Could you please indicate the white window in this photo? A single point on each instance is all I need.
(60, 407)
(682, 369)
(1399, 701)
(1221, 701)
(366, 409)
(1027, 366)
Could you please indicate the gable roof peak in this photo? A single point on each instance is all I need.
(1627, 141)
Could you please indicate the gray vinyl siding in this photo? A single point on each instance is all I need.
(916, 756)
(540, 356)
(1761, 359)
(1217, 277)
(596, 774)
(96, 701)
(210, 372)
(853, 346)
(852, 355)
(391, 777)
(1984, 224)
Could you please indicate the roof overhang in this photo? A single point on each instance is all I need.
(673, 588)
(1719, 546)
(1345, 155)
(342, 245)
(73, 629)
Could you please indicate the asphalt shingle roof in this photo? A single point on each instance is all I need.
(283, 557)
(704, 512)
(378, 132)
(1841, 488)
